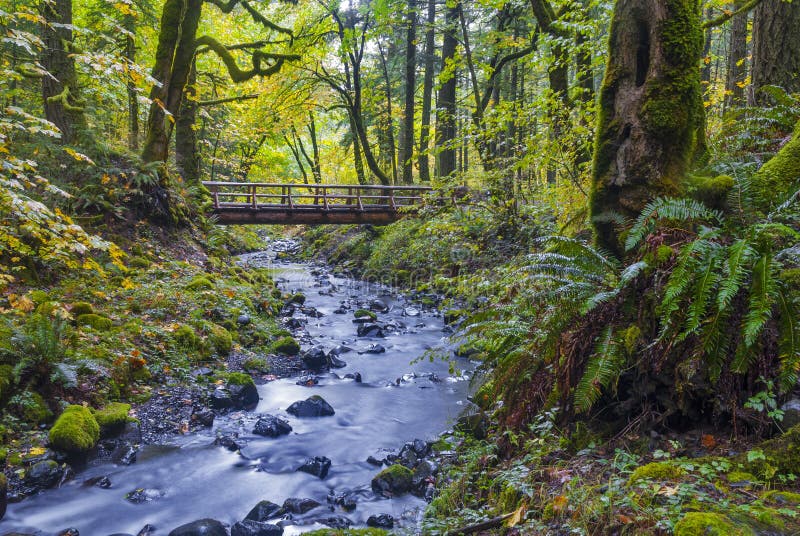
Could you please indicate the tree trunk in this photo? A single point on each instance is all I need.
(737, 61)
(446, 100)
(651, 121)
(60, 91)
(779, 177)
(173, 62)
(129, 23)
(427, 94)
(388, 148)
(316, 167)
(186, 156)
(406, 149)
(776, 47)
(357, 160)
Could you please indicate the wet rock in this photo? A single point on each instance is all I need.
(204, 417)
(229, 441)
(243, 320)
(340, 311)
(317, 466)
(143, 495)
(124, 454)
(311, 312)
(394, 480)
(315, 359)
(99, 481)
(334, 521)
(70, 532)
(345, 500)
(411, 311)
(381, 521)
(375, 349)
(314, 406)
(202, 527)
(378, 306)
(44, 474)
(221, 399)
(370, 330)
(307, 381)
(264, 511)
(271, 426)
(423, 471)
(296, 505)
(339, 350)
(473, 422)
(335, 362)
(147, 530)
(372, 460)
(295, 323)
(354, 376)
(244, 396)
(255, 528)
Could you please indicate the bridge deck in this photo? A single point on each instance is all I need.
(283, 204)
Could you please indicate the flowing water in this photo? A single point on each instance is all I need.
(191, 478)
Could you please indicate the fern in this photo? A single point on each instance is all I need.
(663, 209)
(788, 342)
(602, 370)
(737, 269)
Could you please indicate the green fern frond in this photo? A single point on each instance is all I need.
(737, 269)
(603, 368)
(662, 209)
(788, 341)
(763, 292)
(702, 288)
(715, 344)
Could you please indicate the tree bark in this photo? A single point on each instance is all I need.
(186, 155)
(406, 145)
(129, 23)
(737, 62)
(174, 55)
(776, 47)
(446, 100)
(316, 167)
(651, 120)
(60, 91)
(427, 94)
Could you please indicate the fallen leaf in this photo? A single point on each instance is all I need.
(708, 441)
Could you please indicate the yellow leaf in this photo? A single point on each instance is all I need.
(37, 451)
(127, 284)
(517, 516)
(560, 503)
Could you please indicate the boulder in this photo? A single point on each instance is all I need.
(381, 521)
(317, 466)
(297, 505)
(394, 480)
(76, 430)
(244, 394)
(202, 527)
(44, 474)
(254, 528)
(375, 349)
(229, 441)
(370, 330)
(315, 359)
(271, 426)
(335, 362)
(220, 399)
(204, 416)
(264, 511)
(335, 521)
(143, 495)
(314, 406)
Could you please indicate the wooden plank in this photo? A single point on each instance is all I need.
(304, 217)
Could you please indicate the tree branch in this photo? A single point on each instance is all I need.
(258, 17)
(238, 98)
(728, 15)
(237, 74)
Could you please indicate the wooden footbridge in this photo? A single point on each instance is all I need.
(236, 203)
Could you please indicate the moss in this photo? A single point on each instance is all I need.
(298, 298)
(778, 456)
(398, 477)
(778, 177)
(277, 294)
(199, 283)
(630, 338)
(81, 308)
(39, 296)
(782, 498)
(186, 337)
(286, 346)
(220, 338)
(347, 532)
(139, 262)
(112, 416)
(96, 322)
(711, 191)
(75, 431)
(240, 378)
(3, 456)
(656, 471)
(441, 445)
(14, 459)
(33, 409)
(740, 476)
(363, 313)
(709, 524)
(256, 364)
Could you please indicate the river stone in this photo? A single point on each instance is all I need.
(204, 417)
(243, 396)
(381, 521)
(254, 528)
(243, 320)
(124, 454)
(394, 480)
(221, 399)
(264, 511)
(315, 359)
(72, 531)
(297, 505)
(147, 530)
(98, 481)
(228, 441)
(335, 362)
(411, 311)
(375, 349)
(44, 474)
(340, 349)
(317, 466)
(378, 306)
(335, 521)
(202, 527)
(370, 330)
(143, 495)
(294, 323)
(314, 406)
(271, 426)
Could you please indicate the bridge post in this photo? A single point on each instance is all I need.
(253, 197)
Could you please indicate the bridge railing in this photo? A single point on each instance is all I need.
(325, 197)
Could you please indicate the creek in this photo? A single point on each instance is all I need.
(402, 396)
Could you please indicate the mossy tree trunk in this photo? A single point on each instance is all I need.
(780, 176)
(776, 47)
(737, 61)
(651, 124)
(446, 100)
(186, 155)
(173, 63)
(406, 145)
(62, 103)
(427, 94)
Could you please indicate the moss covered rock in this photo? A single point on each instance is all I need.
(81, 308)
(186, 337)
(220, 338)
(782, 498)
(394, 480)
(286, 346)
(363, 313)
(656, 471)
(94, 321)
(112, 418)
(75, 431)
(777, 456)
(778, 177)
(199, 283)
(710, 524)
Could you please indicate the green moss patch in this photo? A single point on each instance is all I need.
(199, 283)
(81, 308)
(75, 431)
(94, 321)
(363, 313)
(286, 346)
(112, 417)
(709, 524)
(656, 471)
